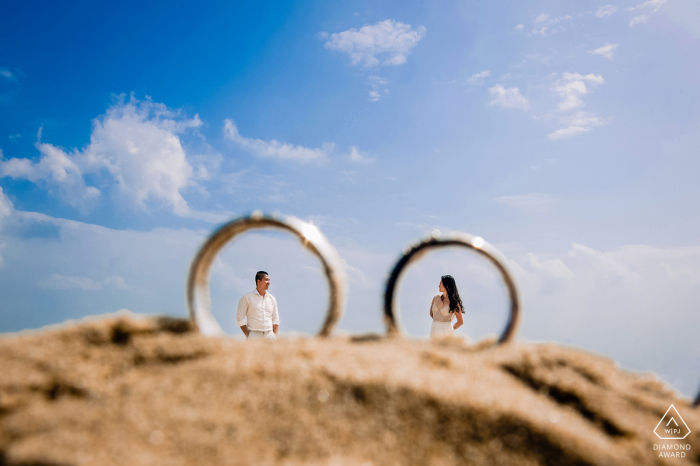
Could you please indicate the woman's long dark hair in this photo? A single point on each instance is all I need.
(452, 294)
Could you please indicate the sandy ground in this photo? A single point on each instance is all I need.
(130, 390)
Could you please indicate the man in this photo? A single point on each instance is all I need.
(259, 309)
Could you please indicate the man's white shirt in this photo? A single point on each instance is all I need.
(260, 312)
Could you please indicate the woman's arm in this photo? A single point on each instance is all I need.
(431, 307)
(460, 321)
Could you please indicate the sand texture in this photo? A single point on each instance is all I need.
(130, 390)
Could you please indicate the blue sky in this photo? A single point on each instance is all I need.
(564, 133)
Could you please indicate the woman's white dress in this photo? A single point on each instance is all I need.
(442, 320)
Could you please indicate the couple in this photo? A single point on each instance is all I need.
(258, 317)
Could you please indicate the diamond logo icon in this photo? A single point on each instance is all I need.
(672, 426)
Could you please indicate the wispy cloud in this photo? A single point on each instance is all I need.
(6, 209)
(607, 263)
(647, 9)
(607, 51)
(55, 168)
(580, 123)
(378, 89)
(573, 85)
(276, 149)
(61, 282)
(478, 77)
(607, 10)
(387, 42)
(349, 176)
(358, 156)
(509, 98)
(519, 27)
(554, 268)
(544, 25)
(527, 202)
(6, 206)
(7, 74)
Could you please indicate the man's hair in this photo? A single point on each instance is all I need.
(259, 276)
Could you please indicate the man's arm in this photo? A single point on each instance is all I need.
(241, 315)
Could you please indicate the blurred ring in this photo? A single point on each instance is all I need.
(412, 254)
(199, 299)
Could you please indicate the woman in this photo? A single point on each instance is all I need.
(444, 308)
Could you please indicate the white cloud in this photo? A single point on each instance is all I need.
(606, 263)
(357, 277)
(545, 25)
(519, 27)
(138, 144)
(6, 206)
(116, 282)
(276, 149)
(509, 98)
(349, 176)
(581, 122)
(387, 42)
(570, 88)
(6, 209)
(61, 282)
(648, 8)
(377, 84)
(607, 51)
(572, 85)
(205, 166)
(554, 268)
(7, 74)
(477, 78)
(556, 20)
(359, 157)
(56, 169)
(527, 202)
(607, 10)
(135, 142)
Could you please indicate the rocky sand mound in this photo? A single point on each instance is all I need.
(129, 390)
